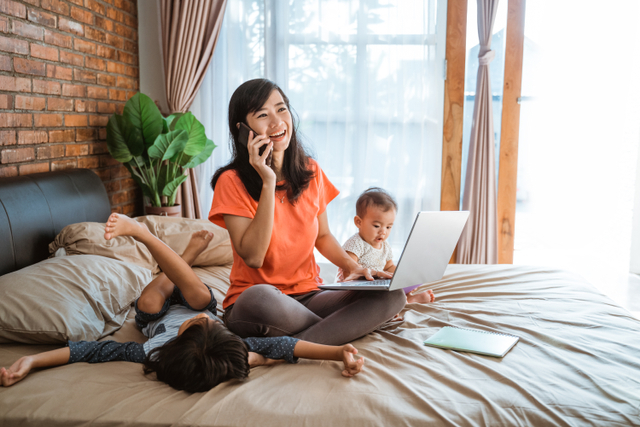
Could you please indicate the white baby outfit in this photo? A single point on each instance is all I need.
(368, 256)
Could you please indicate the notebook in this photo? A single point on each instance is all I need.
(426, 253)
(473, 341)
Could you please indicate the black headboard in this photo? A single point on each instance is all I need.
(34, 208)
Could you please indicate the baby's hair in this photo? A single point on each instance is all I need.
(374, 196)
(200, 358)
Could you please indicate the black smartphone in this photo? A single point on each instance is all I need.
(244, 139)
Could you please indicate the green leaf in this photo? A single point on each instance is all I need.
(166, 144)
(123, 140)
(200, 158)
(171, 188)
(197, 137)
(172, 120)
(144, 116)
(147, 190)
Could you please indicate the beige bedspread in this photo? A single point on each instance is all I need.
(577, 363)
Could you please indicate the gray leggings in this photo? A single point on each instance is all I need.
(324, 317)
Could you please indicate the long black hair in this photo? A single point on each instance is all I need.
(248, 98)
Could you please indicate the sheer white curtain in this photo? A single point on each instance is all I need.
(366, 79)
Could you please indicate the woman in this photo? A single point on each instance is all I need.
(275, 216)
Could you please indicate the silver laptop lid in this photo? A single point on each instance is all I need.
(431, 242)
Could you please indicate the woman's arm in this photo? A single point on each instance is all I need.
(329, 247)
(24, 365)
(251, 237)
(345, 353)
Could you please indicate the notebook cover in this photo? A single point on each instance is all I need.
(473, 341)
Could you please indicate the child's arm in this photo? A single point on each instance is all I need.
(309, 350)
(77, 351)
(25, 364)
(290, 349)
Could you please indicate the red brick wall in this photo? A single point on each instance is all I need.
(65, 67)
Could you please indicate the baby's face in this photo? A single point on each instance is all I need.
(376, 225)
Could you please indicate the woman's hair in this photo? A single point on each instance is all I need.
(248, 98)
(374, 196)
(200, 358)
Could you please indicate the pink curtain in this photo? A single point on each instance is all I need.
(479, 241)
(190, 30)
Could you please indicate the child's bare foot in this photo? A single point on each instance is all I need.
(425, 297)
(122, 225)
(198, 243)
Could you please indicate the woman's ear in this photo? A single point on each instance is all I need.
(238, 125)
(357, 221)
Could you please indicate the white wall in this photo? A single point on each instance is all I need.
(635, 233)
(150, 55)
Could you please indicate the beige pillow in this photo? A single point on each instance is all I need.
(176, 233)
(87, 238)
(83, 297)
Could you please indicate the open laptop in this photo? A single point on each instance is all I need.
(425, 256)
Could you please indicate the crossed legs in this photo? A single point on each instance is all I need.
(324, 317)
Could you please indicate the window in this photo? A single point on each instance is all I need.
(366, 79)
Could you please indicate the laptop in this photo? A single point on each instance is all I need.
(425, 256)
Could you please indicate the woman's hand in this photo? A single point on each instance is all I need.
(367, 273)
(259, 162)
(351, 365)
(16, 372)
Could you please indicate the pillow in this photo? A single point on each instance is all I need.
(87, 238)
(176, 233)
(83, 297)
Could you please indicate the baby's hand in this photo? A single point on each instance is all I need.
(16, 372)
(351, 366)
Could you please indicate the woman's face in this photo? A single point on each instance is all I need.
(273, 119)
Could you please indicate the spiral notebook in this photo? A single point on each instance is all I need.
(473, 341)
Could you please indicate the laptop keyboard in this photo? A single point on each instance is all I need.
(380, 282)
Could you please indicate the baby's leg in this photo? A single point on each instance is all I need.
(177, 269)
(155, 294)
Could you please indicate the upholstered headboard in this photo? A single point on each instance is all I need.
(34, 208)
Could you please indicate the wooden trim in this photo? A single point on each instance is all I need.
(508, 173)
(453, 106)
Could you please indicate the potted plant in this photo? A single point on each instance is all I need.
(157, 150)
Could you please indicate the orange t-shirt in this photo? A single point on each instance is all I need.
(289, 263)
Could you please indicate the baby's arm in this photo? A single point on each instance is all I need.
(344, 353)
(390, 267)
(25, 364)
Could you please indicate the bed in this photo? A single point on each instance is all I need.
(577, 362)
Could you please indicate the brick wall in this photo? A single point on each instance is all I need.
(65, 67)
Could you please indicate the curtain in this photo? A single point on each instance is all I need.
(190, 30)
(365, 79)
(479, 241)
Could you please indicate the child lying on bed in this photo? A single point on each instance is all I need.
(375, 215)
(192, 353)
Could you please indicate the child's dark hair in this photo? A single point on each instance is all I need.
(248, 98)
(200, 358)
(374, 196)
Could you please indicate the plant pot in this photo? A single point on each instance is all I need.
(163, 210)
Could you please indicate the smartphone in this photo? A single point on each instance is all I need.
(244, 139)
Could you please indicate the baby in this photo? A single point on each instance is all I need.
(375, 214)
